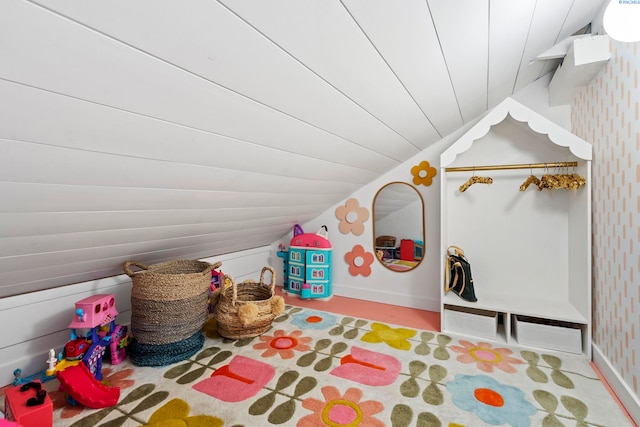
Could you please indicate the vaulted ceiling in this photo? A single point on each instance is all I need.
(156, 130)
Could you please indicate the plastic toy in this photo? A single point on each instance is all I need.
(284, 254)
(79, 366)
(41, 376)
(309, 264)
(82, 386)
(29, 405)
(216, 282)
(95, 314)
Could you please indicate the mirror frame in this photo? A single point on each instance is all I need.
(373, 222)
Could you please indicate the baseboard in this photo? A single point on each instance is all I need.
(629, 400)
(410, 301)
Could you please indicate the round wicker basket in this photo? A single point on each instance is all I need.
(234, 297)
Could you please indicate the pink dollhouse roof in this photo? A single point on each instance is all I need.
(98, 310)
(310, 240)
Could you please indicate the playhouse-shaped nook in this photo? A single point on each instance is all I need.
(530, 250)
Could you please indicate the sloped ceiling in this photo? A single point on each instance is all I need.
(156, 130)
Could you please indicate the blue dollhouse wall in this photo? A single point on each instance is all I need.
(309, 272)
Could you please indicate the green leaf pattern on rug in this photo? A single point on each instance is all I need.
(577, 408)
(432, 394)
(308, 359)
(289, 310)
(185, 376)
(285, 410)
(411, 387)
(327, 362)
(402, 416)
(244, 342)
(423, 348)
(535, 372)
(557, 375)
(549, 403)
(352, 333)
(441, 352)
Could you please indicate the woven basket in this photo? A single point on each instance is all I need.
(164, 354)
(234, 298)
(169, 301)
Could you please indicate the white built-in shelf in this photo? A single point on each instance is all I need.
(547, 308)
(530, 251)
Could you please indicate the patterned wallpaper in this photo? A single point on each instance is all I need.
(607, 113)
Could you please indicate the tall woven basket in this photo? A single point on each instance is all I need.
(247, 309)
(169, 306)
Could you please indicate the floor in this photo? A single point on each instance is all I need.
(401, 316)
(391, 314)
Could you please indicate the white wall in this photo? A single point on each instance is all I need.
(419, 288)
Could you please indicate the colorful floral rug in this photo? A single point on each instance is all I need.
(317, 369)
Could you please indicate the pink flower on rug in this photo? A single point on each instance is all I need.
(486, 357)
(368, 367)
(282, 344)
(241, 379)
(341, 410)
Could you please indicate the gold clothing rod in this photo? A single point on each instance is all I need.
(517, 166)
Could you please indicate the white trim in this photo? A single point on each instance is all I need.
(629, 400)
(373, 295)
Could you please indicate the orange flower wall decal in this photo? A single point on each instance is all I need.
(359, 261)
(423, 173)
(352, 217)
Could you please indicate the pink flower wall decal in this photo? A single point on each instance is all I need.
(359, 261)
(352, 217)
(423, 173)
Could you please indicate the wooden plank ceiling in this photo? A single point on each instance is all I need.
(156, 130)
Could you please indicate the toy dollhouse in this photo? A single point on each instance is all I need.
(309, 264)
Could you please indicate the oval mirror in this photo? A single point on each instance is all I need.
(398, 226)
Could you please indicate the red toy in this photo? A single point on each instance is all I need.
(29, 405)
(75, 349)
(82, 386)
(407, 250)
